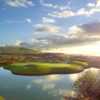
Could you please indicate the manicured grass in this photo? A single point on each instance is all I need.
(39, 68)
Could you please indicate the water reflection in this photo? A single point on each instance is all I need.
(49, 87)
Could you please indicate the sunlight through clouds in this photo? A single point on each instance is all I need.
(88, 49)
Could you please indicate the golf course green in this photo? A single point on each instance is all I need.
(41, 68)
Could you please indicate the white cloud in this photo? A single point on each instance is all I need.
(28, 20)
(91, 8)
(69, 13)
(51, 5)
(90, 30)
(83, 12)
(98, 3)
(95, 10)
(94, 7)
(18, 42)
(43, 3)
(34, 40)
(48, 20)
(48, 28)
(75, 32)
(19, 3)
(90, 5)
(62, 14)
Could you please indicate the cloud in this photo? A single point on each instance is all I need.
(44, 3)
(75, 31)
(75, 35)
(66, 11)
(34, 40)
(28, 20)
(62, 14)
(85, 33)
(52, 41)
(98, 3)
(82, 12)
(90, 30)
(48, 41)
(90, 9)
(18, 42)
(19, 3)
(90, 5)
(48, 20)
(47, 28)
(70, 13)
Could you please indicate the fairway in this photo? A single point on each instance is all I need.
(41, 68)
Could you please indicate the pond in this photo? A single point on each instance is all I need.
(47, 87)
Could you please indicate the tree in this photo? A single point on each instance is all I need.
(88, 86)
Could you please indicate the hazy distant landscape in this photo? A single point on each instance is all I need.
(27, 61)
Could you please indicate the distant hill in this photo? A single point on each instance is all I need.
(17, 50)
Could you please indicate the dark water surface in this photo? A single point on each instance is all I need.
(48, 87)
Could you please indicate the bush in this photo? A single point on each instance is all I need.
(88, 86)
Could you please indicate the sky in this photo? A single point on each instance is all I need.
(49, 23)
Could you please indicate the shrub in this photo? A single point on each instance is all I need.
(88, 86)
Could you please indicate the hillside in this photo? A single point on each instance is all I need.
(17, 50)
